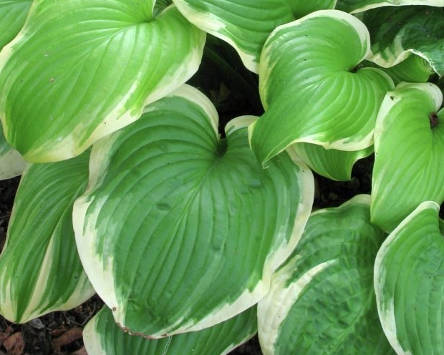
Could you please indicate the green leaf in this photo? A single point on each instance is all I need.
(409, 146)
(414, 69)
(80, 71)
(354, 6)
(409, 278)
(11, 162)
(103, 336)
(12, 18)
(330, 163)
(322, 300)
(398, 32)
(180, 230)
(40, 270)
(246, 24)
(310, 91)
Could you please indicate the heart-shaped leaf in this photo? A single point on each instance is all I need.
(330, 163)
(409, 151)
(12, 18)
(11, 162)
(309, 89)
(398, 32)
(354, 6)
(322, 300)
(103, 336)
(40, 270)
(409, 279)
(180, 230)
(80, 71)
(246, 24)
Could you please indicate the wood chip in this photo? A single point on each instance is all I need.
(15, 345)
(4, 335)
(66, 338)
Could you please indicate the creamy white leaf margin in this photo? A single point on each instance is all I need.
(391, 99)
(273, 309)
(103, 279)
(265, 67)
(119, 116)
(436, 3)
(11, 164)
(212, 24)
(387, 313)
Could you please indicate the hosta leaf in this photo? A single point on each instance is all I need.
(165, 230)
(397, 32)
(40, 269)
(414, 69)
(322, 300)
(409, 281)
(363, 5)
(246, 24)
(12, 18)
(409, 149)
(309, 89)
(330, 163)
(80, 71)
(103, 336)
(11, 162)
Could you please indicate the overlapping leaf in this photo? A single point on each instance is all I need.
(363, 5)
(414, 69)
(310, 91)
(180, 230)
(80, 71)
(409, 150)
(246, 24)
(397, 32)
(409, 283)
(40, 270)
(103, 336)
(12, 18)
(322, 300)
(330, 163)
(11, 162)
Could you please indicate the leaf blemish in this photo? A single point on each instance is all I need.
(433, 118)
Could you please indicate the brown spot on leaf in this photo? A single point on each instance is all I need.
(433, 117)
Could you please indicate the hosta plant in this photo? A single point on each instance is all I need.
(102, 336)
(188, 208)
(311, 92)
(62, 90)
(322, 300)
(409, 282)
(409, 131)
(182, 196)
